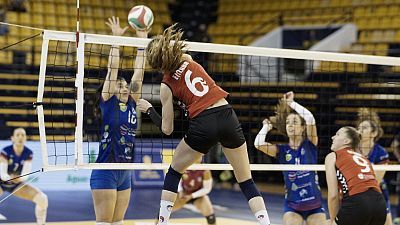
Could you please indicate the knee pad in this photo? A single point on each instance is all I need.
(41, 200)
(118, 223)
(249, 189)
(172, 179)
(211, 219)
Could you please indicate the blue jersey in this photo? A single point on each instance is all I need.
(378, 155)
(16, 162)
(118, 131)
(302, 188)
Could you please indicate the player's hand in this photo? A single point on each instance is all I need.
(113, 24)
(143, 33)
(143, 105)
(288, 97)
(187, 197)
(181, 194)
(267, 122)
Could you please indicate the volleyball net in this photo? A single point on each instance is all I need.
(333, 86)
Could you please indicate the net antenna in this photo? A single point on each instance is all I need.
(83, 39)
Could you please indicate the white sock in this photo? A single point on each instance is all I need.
(102, 223)
(118, 223)
(165, 212)
(262, 217)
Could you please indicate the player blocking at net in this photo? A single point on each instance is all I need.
(211, 120)
(16, 160)
(298, 124)
(115, 106)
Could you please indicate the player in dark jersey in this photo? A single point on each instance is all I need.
(111, 189)
(211, 120)
(194, 188)
(16, 160)
(303, 200)
(362, 202)
(369, 126)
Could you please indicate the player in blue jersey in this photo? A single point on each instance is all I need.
(16, 160)
(369, 126)
(117, 99)
(303, 201)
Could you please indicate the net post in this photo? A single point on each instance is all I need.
(80, 56)
(39, 108)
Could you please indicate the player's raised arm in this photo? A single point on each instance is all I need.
(110, 82)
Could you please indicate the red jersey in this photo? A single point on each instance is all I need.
(192, 181)
(193, 87)
(354, 173)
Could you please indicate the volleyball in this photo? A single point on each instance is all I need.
(140, 17)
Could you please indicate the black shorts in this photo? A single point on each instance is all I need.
(219, 124)
(367, 208)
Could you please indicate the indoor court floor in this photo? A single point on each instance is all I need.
(77, 208)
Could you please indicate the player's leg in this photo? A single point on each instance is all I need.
(184, 156)
(389, 219)
(104, 192)
(179, 203)
(292, 218)
(1, 191)
(123, 196)
(204, 205)
(239, 160)
(121, 206)
(104, 201)
(33, 194)
(316, 219)
(235, 149)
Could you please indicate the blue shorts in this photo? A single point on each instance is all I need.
(303, 214)
(9, 187)
(111, 179)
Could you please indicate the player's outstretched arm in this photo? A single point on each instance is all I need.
(135, 86)
(306, 115)
(113, 60)
(261, 144)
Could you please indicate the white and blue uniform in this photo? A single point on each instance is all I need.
(303, 194)
(15, 164)
(379, 155)
(117, 143)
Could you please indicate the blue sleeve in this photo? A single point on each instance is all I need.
(382, 156)
(29, 154)
(106, 106)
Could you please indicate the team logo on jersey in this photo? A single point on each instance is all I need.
(303, 151)
(122, 140)
(104, 146)
(288, 157)
(294, 187)
(123, 107)
(10, 161)
(303, 192)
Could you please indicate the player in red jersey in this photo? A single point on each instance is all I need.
(211, 120)
(194, 188)
(351, 180)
